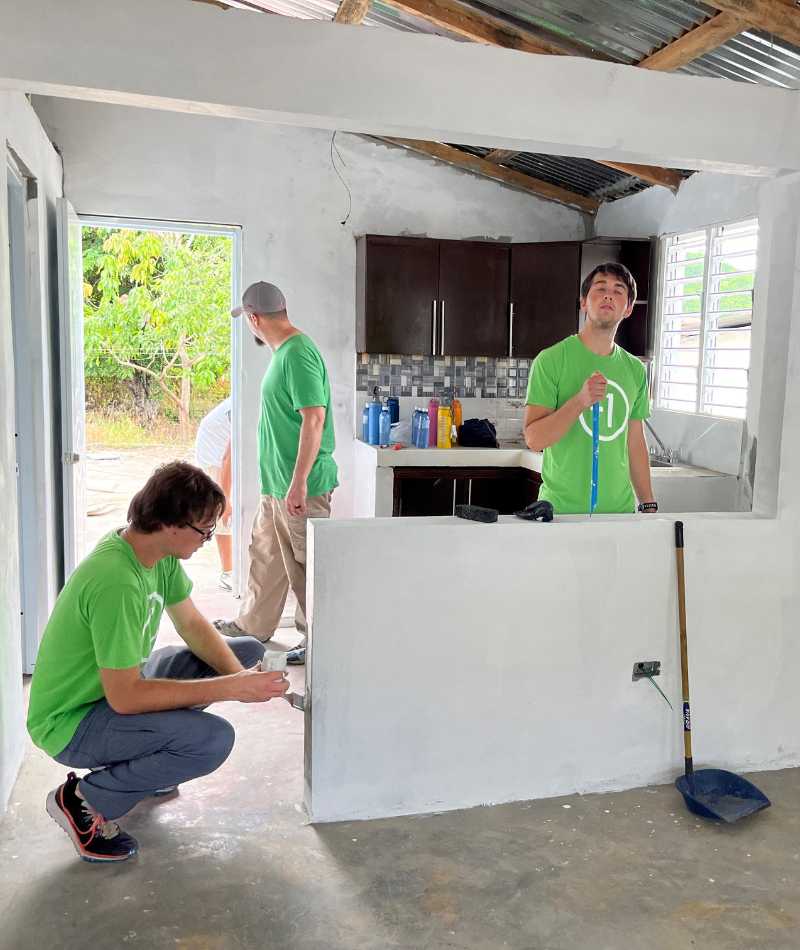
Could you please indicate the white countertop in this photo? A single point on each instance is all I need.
(509, 455)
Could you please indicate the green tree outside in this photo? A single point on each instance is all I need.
(157, 307)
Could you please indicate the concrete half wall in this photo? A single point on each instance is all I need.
(458, 664)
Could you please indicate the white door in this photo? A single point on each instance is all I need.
(73, 408)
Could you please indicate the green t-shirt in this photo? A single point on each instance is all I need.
(295, 379)
(558, 373)
(106, 617)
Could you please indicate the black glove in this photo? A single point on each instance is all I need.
(536, 511)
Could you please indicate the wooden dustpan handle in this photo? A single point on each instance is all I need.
(687, 716)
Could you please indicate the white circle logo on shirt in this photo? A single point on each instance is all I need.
(611, 408)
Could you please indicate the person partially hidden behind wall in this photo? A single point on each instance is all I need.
(102, 699)
(566, 380)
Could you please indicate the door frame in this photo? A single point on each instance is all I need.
(233, 231)
(22, 243)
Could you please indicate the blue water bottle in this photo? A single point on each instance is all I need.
(365, 423)
(385, 426)
(424, 429)
(373, 422)
(394, 407)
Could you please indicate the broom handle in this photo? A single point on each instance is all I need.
(687, 716)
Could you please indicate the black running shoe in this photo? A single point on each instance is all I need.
(95, 839)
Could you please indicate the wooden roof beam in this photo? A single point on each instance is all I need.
(351, 11)
(482, 28)
(649, 173)
(500, 155)
(534, 186)
(779, 17)
(695, 43)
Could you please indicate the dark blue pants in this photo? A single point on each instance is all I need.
(133, 756)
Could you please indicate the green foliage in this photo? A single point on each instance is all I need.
(157, 301)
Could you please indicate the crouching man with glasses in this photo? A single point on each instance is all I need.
(103, 700)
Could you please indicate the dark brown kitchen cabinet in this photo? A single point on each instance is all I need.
(544, 294)
(397, 286)
(473, 299)
(426, 492)
(418, 295)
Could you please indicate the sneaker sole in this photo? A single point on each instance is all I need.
(63, 823)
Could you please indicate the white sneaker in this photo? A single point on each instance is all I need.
(225, 581)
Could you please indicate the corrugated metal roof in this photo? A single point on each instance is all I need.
(752, 57)
(579, 175)
(379, 14)
(624, 30)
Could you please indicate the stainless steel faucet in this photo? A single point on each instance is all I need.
(667, 455)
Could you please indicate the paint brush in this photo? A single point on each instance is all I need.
(595, 456)
(297, 700)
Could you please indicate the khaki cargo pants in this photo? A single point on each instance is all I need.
(277, 562)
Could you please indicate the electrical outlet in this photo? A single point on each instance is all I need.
(646, 668)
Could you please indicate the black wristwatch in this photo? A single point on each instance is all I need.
(648, 506)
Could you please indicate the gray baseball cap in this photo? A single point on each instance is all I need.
(261, 297)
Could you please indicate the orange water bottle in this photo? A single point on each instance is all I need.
(445, 423)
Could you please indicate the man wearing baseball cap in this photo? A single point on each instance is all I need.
(295, 456)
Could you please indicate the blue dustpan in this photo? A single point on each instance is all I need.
(715, 793)
(710, 793)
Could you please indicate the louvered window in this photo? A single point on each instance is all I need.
(706, 316)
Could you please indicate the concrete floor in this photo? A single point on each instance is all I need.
(232, 864)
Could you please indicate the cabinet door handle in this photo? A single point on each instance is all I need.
(441, 311)
(433, 332)
(511, 329)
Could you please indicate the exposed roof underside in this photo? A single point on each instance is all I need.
(621, 31)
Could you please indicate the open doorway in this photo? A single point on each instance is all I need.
(160, 355)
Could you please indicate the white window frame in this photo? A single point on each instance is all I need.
(712, 232)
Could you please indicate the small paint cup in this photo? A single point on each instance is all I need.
(273, 662)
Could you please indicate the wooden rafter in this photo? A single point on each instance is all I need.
(542, 189)
(481, 27)
(500, 155)
(779, 17)
(352, 11)
(693, 44)
(650, 173)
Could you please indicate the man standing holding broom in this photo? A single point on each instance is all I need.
(567, 380)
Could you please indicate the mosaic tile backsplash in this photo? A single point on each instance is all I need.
(478, 377)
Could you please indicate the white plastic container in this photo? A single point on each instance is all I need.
(273, 662)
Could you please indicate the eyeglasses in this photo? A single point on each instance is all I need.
(205, 535)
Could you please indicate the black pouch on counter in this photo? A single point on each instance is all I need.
(477, 434)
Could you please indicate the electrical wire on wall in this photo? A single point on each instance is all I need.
(341, 178)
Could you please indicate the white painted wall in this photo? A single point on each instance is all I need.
(456, 664)
(20, 129)
(702, 200)
(385, 82)
(279, 185)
